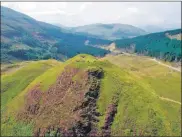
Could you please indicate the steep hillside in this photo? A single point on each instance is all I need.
(109, 31)
(24, 38)
(164, 45)
(86, 96)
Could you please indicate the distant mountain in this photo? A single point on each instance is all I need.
(24, 38)
(164, 45)
(152, 28)
(61, 26)
(108, 31)
(155, 28)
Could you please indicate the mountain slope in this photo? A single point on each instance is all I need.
(109, 31)
(88, 96)
(153, 28)
(164, 45)
(24, 38)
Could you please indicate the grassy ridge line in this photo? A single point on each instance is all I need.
(134, 91)
(7, 69)
(136, 99)
(10, 68)
(9, 125)
(14, 83)
(164, 81)
(129, 88)
(139, 103)
(43, 81)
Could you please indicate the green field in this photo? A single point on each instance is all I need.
(165, 82)
(133, 85)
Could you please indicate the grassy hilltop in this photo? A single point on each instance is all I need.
(90, 96)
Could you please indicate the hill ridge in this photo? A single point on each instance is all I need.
(98, 97)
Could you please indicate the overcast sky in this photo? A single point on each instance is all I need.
(162, 14)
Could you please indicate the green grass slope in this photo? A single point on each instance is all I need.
(165, 82)
(13, 83)
(112, 101)
(160, 80)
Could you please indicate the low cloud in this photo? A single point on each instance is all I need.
(164, 14)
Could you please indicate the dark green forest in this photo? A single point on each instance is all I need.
(24, 38)
(156, 45)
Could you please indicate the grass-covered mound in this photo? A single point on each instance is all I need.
(87, 96)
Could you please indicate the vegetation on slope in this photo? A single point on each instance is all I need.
(24, 38)
(87, 96)
(165, 82)
(13, 83)
(8, 68)
(158, 45)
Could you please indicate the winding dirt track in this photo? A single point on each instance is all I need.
(154, 59)
(173, 68)
(167, 99)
